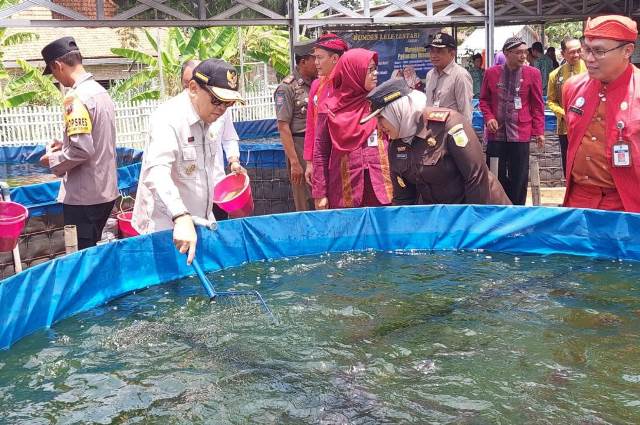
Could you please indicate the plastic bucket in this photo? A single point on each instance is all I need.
(124, 225)
(12, 220)
(233, 194)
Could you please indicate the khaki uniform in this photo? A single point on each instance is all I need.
(291, 99)
(87, 160)
(445, 167)
(452, 88)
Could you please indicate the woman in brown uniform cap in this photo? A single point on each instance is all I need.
(434, 154)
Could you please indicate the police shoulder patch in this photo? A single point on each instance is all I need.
(279, 98)
(438, 115)
(76, 116)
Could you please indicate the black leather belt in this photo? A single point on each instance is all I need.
(298, 134)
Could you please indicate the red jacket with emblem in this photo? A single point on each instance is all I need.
(580, 97)
(530, 116)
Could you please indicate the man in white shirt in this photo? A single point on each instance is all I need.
(177, 175)
(223, 131)
(448, 85)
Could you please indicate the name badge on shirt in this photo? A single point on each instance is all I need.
(621, 150)
(621, 154)
(372, 141)
(517, 102)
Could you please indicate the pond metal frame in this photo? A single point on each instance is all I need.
(383, 14)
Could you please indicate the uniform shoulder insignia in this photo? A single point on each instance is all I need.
(438, 115)
(459, 135)
(288, 79)
(455, 129)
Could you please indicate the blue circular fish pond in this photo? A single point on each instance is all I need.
(439, 314)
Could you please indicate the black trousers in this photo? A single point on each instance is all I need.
(513, 168)
(89, 221)
(564, 142)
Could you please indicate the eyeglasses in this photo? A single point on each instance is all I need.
(219, 102)
(598, 53)
(573, 52)
(372, 70)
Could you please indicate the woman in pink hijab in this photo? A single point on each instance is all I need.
(350, 163)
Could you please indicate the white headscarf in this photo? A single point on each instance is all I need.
(405, 114)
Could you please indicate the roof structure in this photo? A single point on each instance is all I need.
(95, 43)
(295, 15)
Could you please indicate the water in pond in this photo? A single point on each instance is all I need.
(24, 174)
(363, 338)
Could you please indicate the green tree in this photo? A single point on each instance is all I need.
(264, 44)
(12, 94)
(556, 32)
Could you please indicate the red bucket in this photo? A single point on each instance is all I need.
(124, 225)
(233, 194)
(12, 220)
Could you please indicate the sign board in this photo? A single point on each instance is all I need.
(396, 49)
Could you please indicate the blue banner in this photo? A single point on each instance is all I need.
(397, 50)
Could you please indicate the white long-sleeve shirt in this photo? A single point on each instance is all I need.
(179, 167)
(225, 133)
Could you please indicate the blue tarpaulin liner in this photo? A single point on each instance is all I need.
(49, 292)
(256, 129)
(41, 198)
(477, 119)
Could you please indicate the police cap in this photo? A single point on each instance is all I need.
(304, 48)
(57, 49)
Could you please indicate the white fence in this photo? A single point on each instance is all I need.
(42, 124)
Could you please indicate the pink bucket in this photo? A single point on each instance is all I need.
(233, 194)
(124, 225)
(12, 220)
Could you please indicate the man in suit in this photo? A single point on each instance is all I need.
(513, 109)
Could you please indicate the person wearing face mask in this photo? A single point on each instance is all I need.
(571, 49)
(602, 108)
(434, 153)
(350, 164)
(326, 53)
(177, 175)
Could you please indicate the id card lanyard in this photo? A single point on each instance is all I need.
(621, 150)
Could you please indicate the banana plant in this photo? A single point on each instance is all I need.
(264, 44)
(13, 93)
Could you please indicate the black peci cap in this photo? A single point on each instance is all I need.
(304, 48)
(57, 49)
(384, 94)
(220, 78)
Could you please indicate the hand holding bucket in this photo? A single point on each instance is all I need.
(233, 195)
(13, 217)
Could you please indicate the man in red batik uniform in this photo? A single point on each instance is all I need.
(603, 120)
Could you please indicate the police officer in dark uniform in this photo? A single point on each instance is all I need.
(291, 99)
(434, 154)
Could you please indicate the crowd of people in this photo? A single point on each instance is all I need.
(351, 142)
